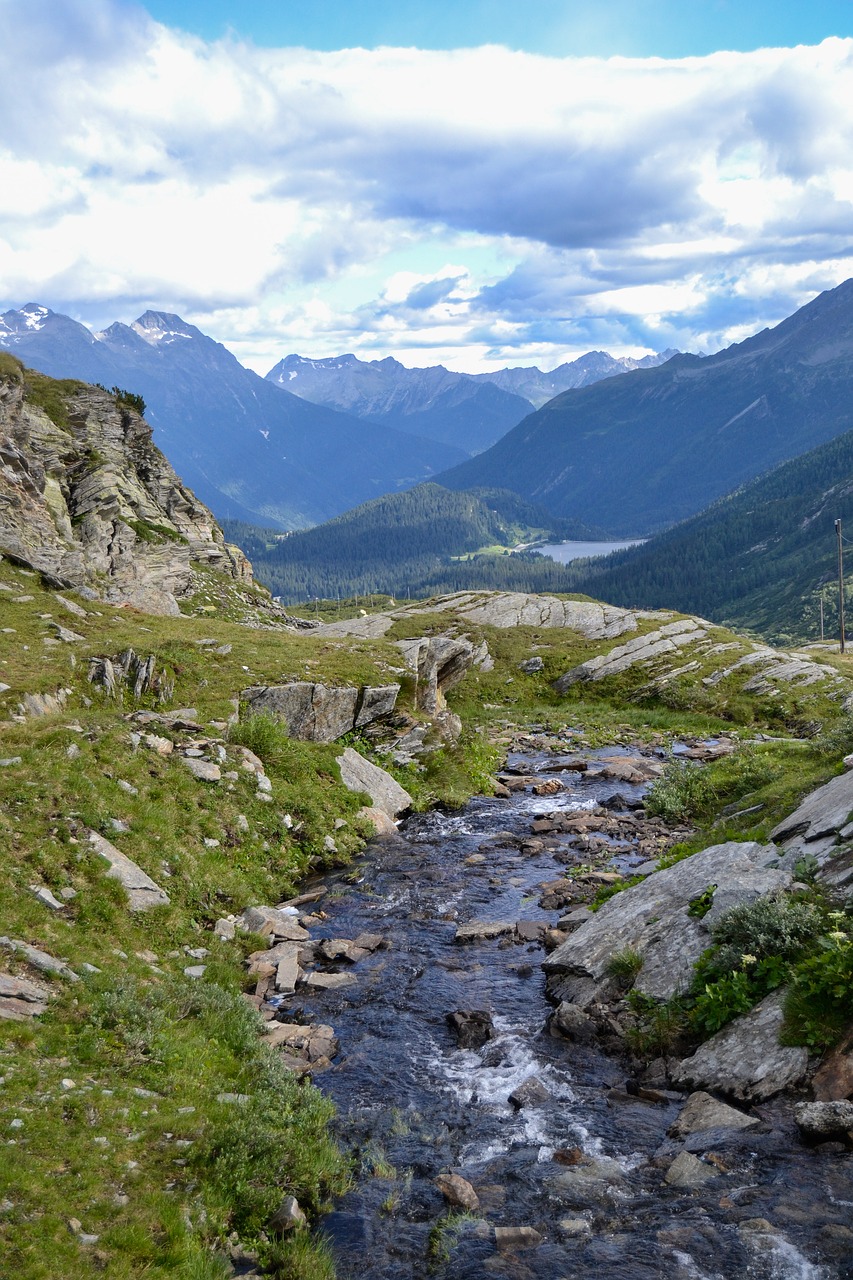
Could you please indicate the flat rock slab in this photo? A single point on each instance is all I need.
(652, 918)
(481, 930)
(21, 998)
(142, 892)
(40, 960)
(745, 1059)
(701, 1112)
(329, 981)
(386, 794)
(321, 713)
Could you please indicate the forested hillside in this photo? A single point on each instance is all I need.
(637, 453)
(759, 558)
(420, 542)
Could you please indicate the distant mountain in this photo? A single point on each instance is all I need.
(637, 453)
(415, 541)
(538, 387)
(759, 558)
(471, 411)
(449, 407)
(248, 450)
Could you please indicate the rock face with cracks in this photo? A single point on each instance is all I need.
(319, 712)
(93, 503)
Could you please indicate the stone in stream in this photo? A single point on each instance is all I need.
(458, 1191)
(508, 1238)
(287, 968)
(273, 923)
(333, 950)
(689, 1171)
(701, 1111)
(311, 1043)
(329, 981)
(473, 1027)
(481, 930)
(819, 1121)
(530, 1093)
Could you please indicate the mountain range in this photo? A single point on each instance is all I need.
(250, 450)
(638, 453)
(470, 411)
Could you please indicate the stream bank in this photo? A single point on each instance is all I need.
(569, 1166)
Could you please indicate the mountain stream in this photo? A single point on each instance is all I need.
(584, 1164)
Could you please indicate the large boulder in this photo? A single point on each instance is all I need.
(653, 919)
(318, 712)
(745, 1059)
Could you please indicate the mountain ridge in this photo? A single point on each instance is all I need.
(637, 453)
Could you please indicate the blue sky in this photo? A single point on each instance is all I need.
(559, 28)
(478, 184)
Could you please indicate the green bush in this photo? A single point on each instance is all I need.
(768, 928)
(819, 1004)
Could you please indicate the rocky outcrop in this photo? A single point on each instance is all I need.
(439, 663)
(319, 712)
(89, 501)
(142, 892)
(820, 830)
(504, 609)
(653, 919)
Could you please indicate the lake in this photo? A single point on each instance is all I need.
(566, 551)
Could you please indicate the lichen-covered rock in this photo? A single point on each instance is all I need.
(93, 502)
(820, 1121)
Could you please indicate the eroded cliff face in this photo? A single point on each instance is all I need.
(87, 499)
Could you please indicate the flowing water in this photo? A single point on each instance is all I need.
(413, 1105)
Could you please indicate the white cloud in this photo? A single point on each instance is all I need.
(262, 192)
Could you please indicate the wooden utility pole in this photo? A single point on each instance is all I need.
(840, 584)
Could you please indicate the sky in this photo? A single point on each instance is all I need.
(477, 184)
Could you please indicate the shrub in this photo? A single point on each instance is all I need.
(819, 1004)
(769, 927)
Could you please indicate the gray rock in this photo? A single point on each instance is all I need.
(311, 1043)
(142, 892)
(745, 1059)
(701, 1112)
(45, 897)
(642, 650)
(481, 930)
(287, 969)
(279, 925)
(822, 813)
(472, 1027)
(288, 1216)
(195, 970)
(652, 918)
(570, 1022)
(9, 761)
(689, 1171)
(329, 981)
(821, 1121)
(20, 998)
(40, 960)
(42, 704)
(320, 713)
(204, 770)
(531, 665)
(530, 1093)
(439, 663)
(386, 794)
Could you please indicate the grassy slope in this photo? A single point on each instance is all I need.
(139, 1150)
